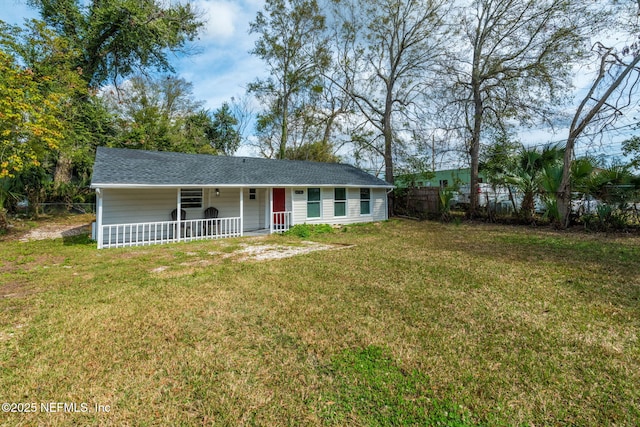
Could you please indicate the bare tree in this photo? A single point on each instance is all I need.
(390, 47)
(243, 111)
(610, 93)
(513, 62)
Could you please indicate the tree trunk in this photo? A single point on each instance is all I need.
(3, 219)
(62, 174)
(579, 124)
(474, 150)
(513, 201)
(282, 149)
(563, 198)
(528, 205)
(388, 148)
(473, 181)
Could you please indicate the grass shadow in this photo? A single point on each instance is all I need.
(77, 236)
(579, 261)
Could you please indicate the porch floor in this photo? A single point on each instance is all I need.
(259, 232)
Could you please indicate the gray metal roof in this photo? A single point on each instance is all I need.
(118, 167)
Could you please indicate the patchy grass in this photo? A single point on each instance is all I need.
(370, 388)
(308, 230)
(413, 323)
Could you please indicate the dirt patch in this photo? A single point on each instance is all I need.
(15, 290)
(56, 231)
(249, 252)
(21, 263)
(274, 251)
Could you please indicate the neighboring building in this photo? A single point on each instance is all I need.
(444, 179)
(148, 197)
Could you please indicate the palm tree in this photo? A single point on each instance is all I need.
(533, 168)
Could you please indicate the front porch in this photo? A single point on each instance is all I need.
(237, 212)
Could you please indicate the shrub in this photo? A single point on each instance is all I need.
(307, 230)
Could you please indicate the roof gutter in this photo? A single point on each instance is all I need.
(144, 186)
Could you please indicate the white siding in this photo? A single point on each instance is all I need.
(299, 203)
(126, 206)
(133, 206)
(227, 203)
(378, 204)
(254, 210)
(378, 207)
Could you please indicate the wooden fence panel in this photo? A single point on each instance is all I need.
(420, 201)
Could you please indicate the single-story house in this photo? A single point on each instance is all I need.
(148, 197)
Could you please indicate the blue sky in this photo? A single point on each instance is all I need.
(222, 68)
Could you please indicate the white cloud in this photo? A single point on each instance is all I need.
(224, 66)
(221, 19)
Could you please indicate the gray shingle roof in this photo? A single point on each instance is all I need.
(116, 167)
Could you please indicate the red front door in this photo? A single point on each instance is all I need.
(278, 205)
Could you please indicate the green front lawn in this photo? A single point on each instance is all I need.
(406, 323)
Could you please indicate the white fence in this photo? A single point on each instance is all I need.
(281, 222)
(151, 233)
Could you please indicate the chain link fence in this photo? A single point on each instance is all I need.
(64, 208)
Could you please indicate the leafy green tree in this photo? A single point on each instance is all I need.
(293, 45)
(30, 118)
(50, 57)
(224, 135)
(162, 114)
(500, 158)
(499, 161)
(206, 133)
(631, 148)
(33, 181)
(117, 38)
(110, 40)
(318, 151)
(147, 109)
(29, 122)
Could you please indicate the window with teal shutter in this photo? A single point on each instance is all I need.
(313, 203)
(340, 202)
(365, 201)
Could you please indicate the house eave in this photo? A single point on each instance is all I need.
(163, 186)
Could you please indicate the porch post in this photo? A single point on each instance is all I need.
(241, 210)
(270, 210)
(291, 211)
(178, 219)
(386, 204)
(99, 232)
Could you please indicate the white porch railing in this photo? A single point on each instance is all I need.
(281, 222)
(151, 233)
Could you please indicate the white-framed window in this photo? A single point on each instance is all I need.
(365, 201)
(190, 198)
(313, 203)
(252, 194)
(339, 202)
